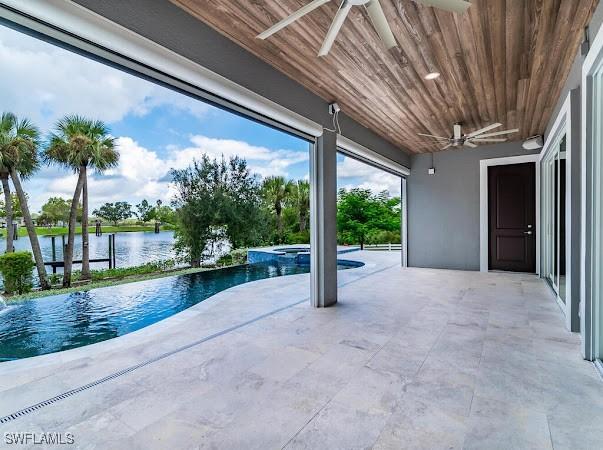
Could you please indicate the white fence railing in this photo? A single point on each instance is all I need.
(384, 247)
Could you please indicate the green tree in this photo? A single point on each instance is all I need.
(79, 143)
(19, 142)
(242, 213)
(165, 214)
(44, 220)
(361, 213)
(114, 212)
(195, 208)
(215, 200)
(15, 207)
(145, 211)
(55, 210)
(276, 191)
(7, 135)
(301, 195)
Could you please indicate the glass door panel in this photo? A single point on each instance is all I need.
(562, 158)
(555, 219)
(550, 213)
(592, 98)
(597, 213)
(553, 216)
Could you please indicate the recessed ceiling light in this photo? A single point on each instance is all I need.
(432, 75)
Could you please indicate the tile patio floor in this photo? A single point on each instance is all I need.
(409, 358)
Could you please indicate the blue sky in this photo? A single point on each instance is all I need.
(156, 129)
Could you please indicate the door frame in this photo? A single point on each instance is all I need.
(484, 164)
(591, 305)
(564, 125)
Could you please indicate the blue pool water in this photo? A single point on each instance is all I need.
(61, 322)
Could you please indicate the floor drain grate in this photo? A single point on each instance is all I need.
(50, 401)
(64, 395)
(25, 411)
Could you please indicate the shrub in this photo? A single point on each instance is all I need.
(238, 256)
(55, 278)
(383, 237)
(299, 237)
(16, 269)
(122, 272)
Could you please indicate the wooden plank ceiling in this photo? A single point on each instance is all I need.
(504, 61)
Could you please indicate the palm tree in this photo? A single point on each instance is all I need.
(19, 142)
(78, 144)
(276, 190)
(302, 203)
(6, 136)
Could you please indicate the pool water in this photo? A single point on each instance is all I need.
(61, 322)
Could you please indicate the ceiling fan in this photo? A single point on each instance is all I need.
(472, 139)
(373, 9)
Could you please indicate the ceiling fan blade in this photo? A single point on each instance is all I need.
(457, 131)
(470, 144)
(458, 6)
(448, 146)
(375, 12)
(292, 18)
(483, 130)
(500, 133)
(340, 17)
(488, 140)
(432, 136)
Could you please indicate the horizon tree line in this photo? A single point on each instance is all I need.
(56, 210)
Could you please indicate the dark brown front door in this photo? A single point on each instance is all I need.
(512, 217)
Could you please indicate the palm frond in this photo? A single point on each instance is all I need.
(78, 141)
(19, 143)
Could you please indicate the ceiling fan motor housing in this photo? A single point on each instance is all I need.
(457, 139)
(458, 142)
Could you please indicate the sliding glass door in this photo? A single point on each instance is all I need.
(592, 206)
(595, 184)
(553, 215)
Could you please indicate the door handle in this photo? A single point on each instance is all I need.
(527, 232)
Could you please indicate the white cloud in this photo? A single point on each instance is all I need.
(136, 162)
(353, 173)
(62, 186)
(142, 172)
(44, 82)
(262, 160)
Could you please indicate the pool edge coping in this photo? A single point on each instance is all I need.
(136, 337)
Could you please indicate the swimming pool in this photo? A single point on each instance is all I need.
(61, 322)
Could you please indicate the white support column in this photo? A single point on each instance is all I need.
(323, 213)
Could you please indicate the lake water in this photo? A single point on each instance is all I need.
(131, 249)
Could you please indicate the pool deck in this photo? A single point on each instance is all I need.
(409, 358)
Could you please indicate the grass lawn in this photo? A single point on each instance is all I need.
(57, 231)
